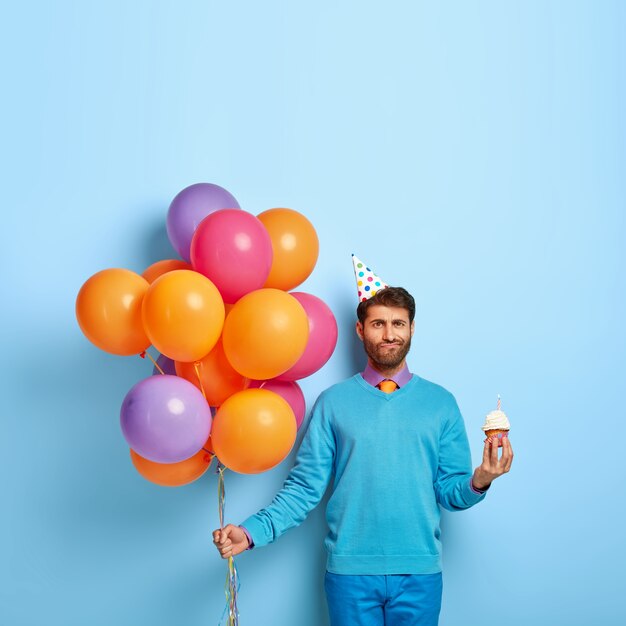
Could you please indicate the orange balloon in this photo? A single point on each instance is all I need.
(265, 333)
(162, 267)
(183, 315)
(219, 379)
(295, 246)
(253, 431)
(209, 446)
(173, 474)
(108, 310)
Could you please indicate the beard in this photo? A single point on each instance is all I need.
(386, 358)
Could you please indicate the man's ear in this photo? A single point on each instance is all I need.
(412, 327)
(359, 330)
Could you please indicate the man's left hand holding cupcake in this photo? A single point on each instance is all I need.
(493, 466)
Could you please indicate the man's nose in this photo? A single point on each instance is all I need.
(389, 333)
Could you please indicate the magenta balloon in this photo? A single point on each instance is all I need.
(165, 419)
(322, 337)
(288, 390)
(233, 250)
(190, 207)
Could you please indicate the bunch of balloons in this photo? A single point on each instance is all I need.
(232, 336)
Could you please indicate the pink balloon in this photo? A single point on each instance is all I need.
(322, 337)
(233, 249)
(288, 390)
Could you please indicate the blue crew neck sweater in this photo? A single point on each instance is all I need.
(393, 459)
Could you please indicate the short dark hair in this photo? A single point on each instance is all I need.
(389, 296)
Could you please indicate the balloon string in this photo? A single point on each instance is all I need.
(196, 366)
(231, 586)
(143, 356)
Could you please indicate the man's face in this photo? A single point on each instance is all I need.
(386, 334)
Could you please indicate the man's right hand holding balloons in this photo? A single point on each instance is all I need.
(230, 540)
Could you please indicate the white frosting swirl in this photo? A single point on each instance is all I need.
(496, 420)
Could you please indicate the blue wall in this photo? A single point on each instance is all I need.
(473, 152)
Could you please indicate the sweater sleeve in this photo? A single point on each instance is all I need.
(453, 485)
(304, 486)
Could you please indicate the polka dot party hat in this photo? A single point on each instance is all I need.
(367, 283)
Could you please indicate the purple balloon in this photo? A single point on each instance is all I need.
(322, 337)
(166, 364)
(165, 419)
(189, 208)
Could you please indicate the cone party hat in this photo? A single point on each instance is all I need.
(367, 283)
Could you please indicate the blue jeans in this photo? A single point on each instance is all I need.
(393, 600)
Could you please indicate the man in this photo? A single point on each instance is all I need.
(397, 448)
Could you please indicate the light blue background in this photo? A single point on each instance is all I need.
(473, 152)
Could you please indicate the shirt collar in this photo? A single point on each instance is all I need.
(373, 377)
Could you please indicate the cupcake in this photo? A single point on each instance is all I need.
(496, 423)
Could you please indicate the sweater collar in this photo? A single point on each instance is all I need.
(373, 377)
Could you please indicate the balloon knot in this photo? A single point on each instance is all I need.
(143, 354)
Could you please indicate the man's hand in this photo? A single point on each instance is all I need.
(492, 467)
(230, 540)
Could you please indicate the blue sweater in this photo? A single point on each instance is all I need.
(394, 458)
